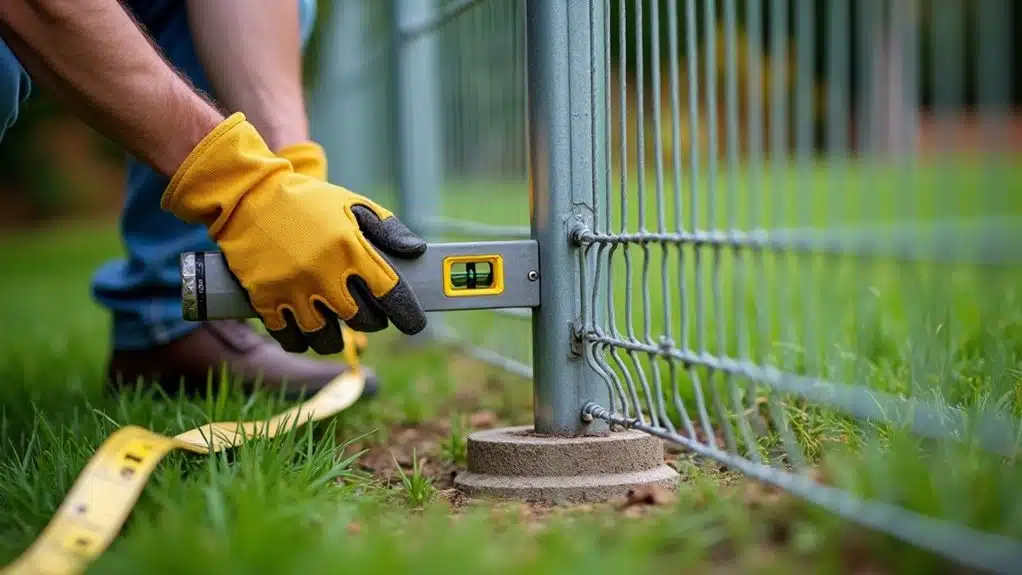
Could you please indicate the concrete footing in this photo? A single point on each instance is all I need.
(516, 463)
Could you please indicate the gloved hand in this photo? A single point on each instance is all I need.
(305, 250)
(309, 158)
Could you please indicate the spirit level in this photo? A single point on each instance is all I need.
(448, 277)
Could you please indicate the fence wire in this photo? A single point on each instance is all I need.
(809, 256)
(804, 255)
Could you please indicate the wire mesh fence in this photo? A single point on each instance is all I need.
(803, 269)
(796, 223)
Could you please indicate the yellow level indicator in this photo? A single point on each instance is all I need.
(473, 276)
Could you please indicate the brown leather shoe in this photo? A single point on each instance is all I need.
(187, 363)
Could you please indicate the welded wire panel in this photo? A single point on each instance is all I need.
(808, 259)
(482, 191)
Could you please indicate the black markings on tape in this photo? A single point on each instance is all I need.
(128, 470)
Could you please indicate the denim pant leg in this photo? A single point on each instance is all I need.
(14, 88)
(143, 290)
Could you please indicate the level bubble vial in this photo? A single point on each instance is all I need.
(473, 276)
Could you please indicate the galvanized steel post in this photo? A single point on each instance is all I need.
(417, 118)
(566, 88)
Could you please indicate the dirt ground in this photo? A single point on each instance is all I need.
(773, 507)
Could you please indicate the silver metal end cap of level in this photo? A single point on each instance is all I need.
(189, 293)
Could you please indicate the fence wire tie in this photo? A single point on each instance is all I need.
(580, 234)
(591, 411)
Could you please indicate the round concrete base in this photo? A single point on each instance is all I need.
(515, 463)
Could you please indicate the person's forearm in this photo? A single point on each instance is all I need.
(93, 56)
(251, 53)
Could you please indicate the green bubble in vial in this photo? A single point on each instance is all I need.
(472, 275)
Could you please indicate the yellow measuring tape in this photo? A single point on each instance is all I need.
(100, 500)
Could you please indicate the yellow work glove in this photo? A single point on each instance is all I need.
(309, 158)
(305, 250)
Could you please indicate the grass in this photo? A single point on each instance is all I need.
(455, 447)
(418, 488)
(370, 490)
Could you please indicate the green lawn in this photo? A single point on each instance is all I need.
(269, 506)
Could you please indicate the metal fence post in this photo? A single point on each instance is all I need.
(565, 87)
(418, 117)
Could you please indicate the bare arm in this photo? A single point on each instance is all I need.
(93, 56)
(252, 56)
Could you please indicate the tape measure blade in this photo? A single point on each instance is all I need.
(103, 495)
(42, 560)
(338, 395)
(99, 502)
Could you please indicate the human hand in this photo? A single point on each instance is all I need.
(305, 250)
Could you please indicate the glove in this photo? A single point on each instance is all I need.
(309, 158)
(305, 250)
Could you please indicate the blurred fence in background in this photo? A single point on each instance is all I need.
(785, 235)
(422, 105)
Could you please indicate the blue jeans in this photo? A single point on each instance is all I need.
(143, 290)
(15, 88)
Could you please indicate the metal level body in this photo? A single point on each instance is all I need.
(210, 291)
